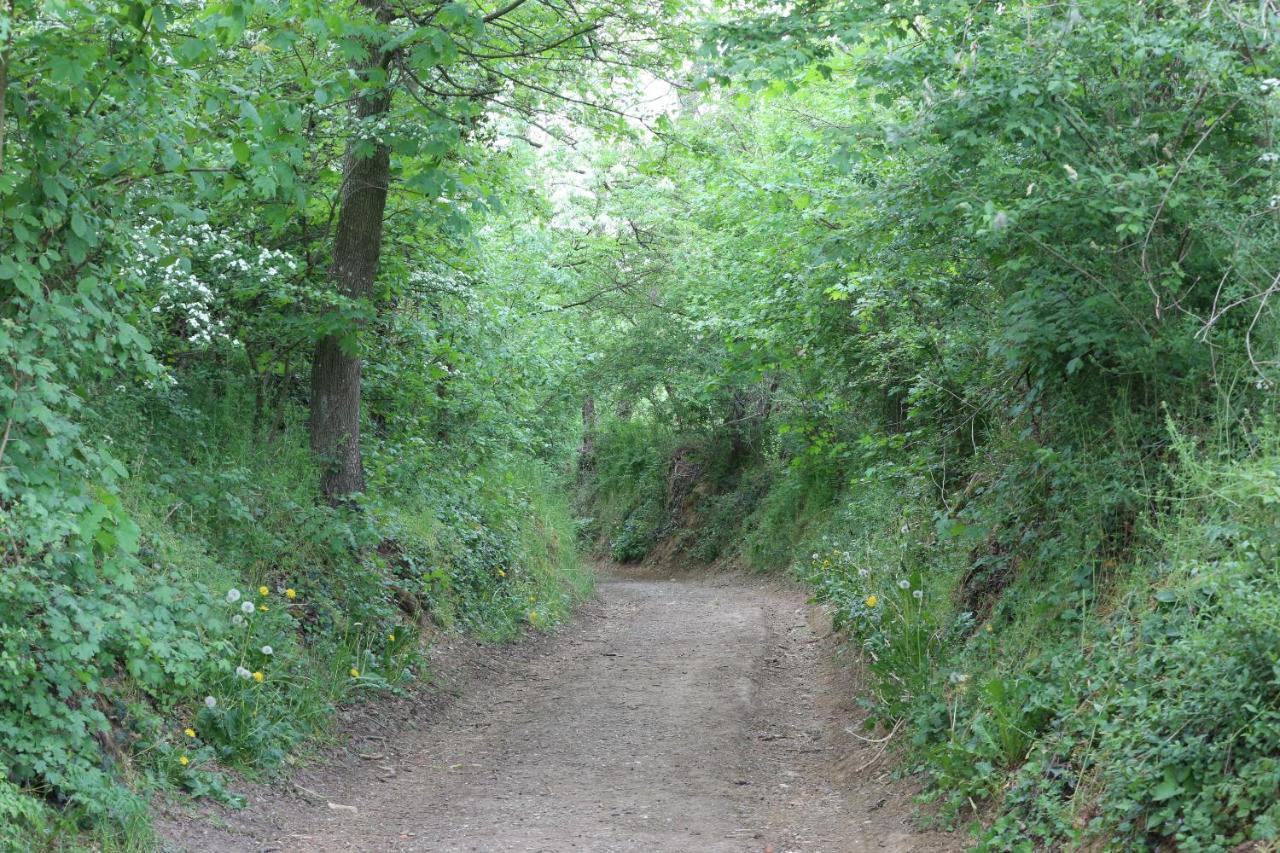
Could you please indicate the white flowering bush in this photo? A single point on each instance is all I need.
(202, 280)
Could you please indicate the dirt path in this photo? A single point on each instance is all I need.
(678, 715)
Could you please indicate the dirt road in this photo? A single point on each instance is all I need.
(677, 715)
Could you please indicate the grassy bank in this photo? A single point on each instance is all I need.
(236, 611)
(1078, 648)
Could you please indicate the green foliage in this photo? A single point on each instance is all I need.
(938, 274)
(628, 499)
(902, 297)
(164, 277)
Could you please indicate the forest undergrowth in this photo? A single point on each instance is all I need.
(324, 327)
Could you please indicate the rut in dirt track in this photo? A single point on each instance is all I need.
(679, 716)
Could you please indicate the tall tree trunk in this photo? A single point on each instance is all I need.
(357, 247)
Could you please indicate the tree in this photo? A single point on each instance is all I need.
(453, 70)
(335, 371)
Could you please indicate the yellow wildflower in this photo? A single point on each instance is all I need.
(262, 590)
(189, 732)
(183, 760)
(391, 638)
(872, 600)
(989, 628)
(258, 677)
(290, 593)
(264, 608)
(355, 673)
(501, 573)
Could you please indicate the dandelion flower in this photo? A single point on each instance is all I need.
(241, 672)
(189, 732)
(872, 601)
(183, 760)
(210, 702)
(917, 594)
(355, 673)
(501, 573)
(262, 607)
(262, 590)
(290, 593)
(267, 650)
(259, 677)
(989, 628)
(904, 584)
(391, 638)
(233, 595)
(864, 573)
(247, 607)
(237, 619)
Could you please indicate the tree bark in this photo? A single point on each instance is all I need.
(357, 248)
